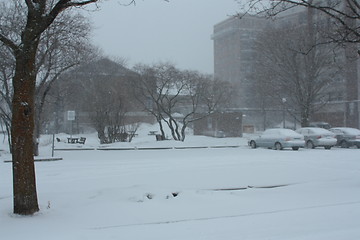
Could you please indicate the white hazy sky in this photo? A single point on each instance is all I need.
(178, 31)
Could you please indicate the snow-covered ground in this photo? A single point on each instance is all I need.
(200, 193)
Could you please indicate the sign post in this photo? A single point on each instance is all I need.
(71, 117)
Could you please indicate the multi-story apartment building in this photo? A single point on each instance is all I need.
(234, 53)
(235, 61)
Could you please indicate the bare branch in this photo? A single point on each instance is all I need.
(8, 42)
(342, 12)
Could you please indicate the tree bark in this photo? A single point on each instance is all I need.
(161, 128)
(22, 135)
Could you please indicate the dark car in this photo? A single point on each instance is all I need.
(320, 125)
(347, 137)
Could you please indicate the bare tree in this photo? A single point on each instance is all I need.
(146, 90)
(100, 89)
(342, 18)
(108, 107)
(179, 97)
(33, 22)
(195, 96)
(6, 89)
(292, 68)
(206, 95)
(343, 14)
(62, 47)
(59, 50)
(170, 92)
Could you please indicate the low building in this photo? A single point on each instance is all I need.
(220, 124)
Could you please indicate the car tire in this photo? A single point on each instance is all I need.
(344, 144)
(328, 147)
(295, 148)
(310, 144)
(253, 144)
(278, 146)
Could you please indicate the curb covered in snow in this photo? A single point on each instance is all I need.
(146, 148)
(40, 160)
(74, 149)
(166, 148)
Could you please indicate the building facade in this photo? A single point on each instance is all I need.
(234, 54)
(235, 61)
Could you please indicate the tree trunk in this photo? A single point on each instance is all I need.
(22, 135)
(172, 129)
(39, 105)
(305, 117)
(183, 132)
(177, 130)
(161, 129)
(101, 135)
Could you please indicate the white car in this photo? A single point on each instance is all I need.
(318, 137)
(278, 138)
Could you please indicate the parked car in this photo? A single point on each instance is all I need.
(320, 125)
(278, 138)
(318, 137)
(347, 137)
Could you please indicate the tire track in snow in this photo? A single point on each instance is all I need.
(225, 217)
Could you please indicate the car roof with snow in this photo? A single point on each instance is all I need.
(347, 130)
(316, 130)
(282, 131)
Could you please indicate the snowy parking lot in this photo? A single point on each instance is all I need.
(205, 193)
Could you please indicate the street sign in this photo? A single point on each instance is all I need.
(70, 115)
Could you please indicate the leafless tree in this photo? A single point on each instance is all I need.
(100, 88)
(6, 90)
(343, 14)
(33, 22)
(179, 97)
(146, 90)
(207, 95)
(292, 67)
(108, 107)
(62, 46)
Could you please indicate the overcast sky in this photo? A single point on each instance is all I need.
(178, 31)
